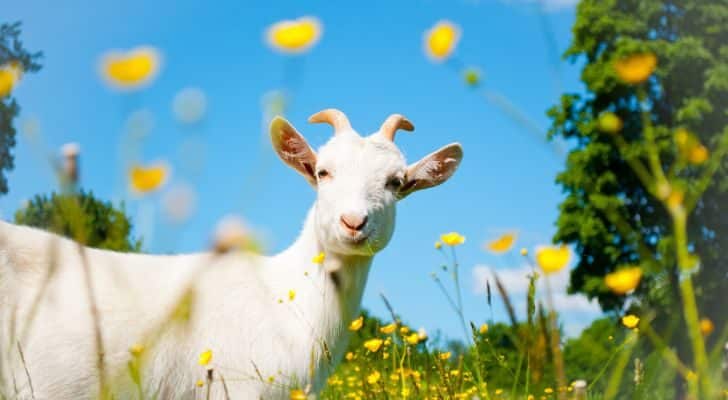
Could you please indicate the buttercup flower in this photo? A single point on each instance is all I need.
(609, 122)
(630, 321)
(200, 383)
(503, 243)
(148, 179)
(205, 357)
(356, 324)
(373, 345)
(373, 377)
(623, 280)
(636, 68)
(441, 40)
(387, 329)
(412, 338)
(552, 258)
(483, 329)
(349, 356)
(291, 295)
(445, 356)
(690, 148)
(136, 349)
(9, 76)
(452, 239)
(319, 258)
(298, 394)
(438, 245)
(131, 69)
(706, 326)
(294, 36)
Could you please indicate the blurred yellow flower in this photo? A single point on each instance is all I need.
(452, 239)
(148, 179)
(552, 258)
(412, 338)
(373, 377)
(136, 349)
(524, 251)
(548, 390)
(373, 344)
(483, 329)
(349, 356)
(131, 69)
(609, 122)
(319, 258)
(503, 243)
(294, 36)
(472, 76)
(690, 148)
(205, 357)
(675, 199)
(636, 68)
(200, 383)
(498, 392)
(698, 154)
(441, 40)
(387, 329)
(438, 245)
(623, 280)
(9, 76)
(298, 394)
(445, 356)
(356, 324)
(630, 321)
(291, 295)
(706, 326)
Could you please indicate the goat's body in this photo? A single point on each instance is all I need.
(240, 309)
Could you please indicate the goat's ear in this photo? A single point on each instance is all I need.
(293, 149)
(432, 169)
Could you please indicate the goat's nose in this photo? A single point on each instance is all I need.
(354, 222)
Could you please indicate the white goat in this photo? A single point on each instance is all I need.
(239, 305)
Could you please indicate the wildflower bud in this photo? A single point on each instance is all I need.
(579, 389)
(472, 77)
(609, 122)
(70, 153)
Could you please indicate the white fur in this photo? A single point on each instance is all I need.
(240, 308)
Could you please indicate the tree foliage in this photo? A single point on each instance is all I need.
(98, 223)
(12, 50)
(607, 214)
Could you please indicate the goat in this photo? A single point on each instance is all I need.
(282, 316)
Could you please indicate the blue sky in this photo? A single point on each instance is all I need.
(369, 63)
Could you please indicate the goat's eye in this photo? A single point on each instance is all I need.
(394, 183)
(322, 173)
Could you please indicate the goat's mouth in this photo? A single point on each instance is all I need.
(357, 240)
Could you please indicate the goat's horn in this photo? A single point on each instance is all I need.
(393, 123)
(331, 116)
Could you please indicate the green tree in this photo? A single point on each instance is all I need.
(11, 51)
(607, 213)
(99, 223)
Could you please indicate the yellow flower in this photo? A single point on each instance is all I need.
(483, 329)
(319, 258)
(298, 394)
(552, 258)
(271, 379)
(636, 68)
(148, 179)
(706, 326)
(387, 329)
(623, 280)
(690, 148)
(294, 36)
(498, 392)
(356, 324)
(136, 349)
(441, 40)
(609, 122)
(412, 338)
(503, 243)
(698, 154)
(404, 330)
(291, 295)
(349, 356)
(200, 383)
(452, 239)
(438, 245)
(445, 356)
(675, 199)
(630, 321)
(373, 344)
(205, 357)
(548, 390)
(131, 69)
(472, 76)
(374, 377)
(9, 76)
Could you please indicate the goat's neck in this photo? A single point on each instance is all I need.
(344, 275)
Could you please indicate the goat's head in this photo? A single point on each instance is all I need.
(359, 179)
